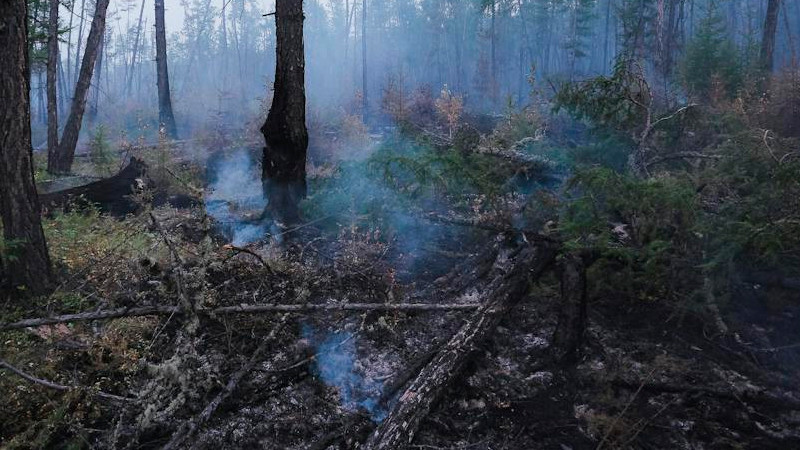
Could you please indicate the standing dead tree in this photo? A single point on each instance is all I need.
(52, 62)
(61, 161)
(770, 30)
(283, 165)
(165, 115)
(508, 287)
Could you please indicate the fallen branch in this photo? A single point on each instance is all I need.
(238, 309)
(482, 225)
(247, 251)
(508, 287)
(59, 387)
(680, 155)
(188, 429)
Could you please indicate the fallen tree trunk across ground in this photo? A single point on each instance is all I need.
(397, 431)
(238, 309)
(113, 195)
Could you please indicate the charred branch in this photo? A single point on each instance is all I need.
(507, 288)
(59, 387)
(231, 310)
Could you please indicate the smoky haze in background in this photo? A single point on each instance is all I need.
(222, 64)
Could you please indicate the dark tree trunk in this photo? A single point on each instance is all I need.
(364, 58)
(52, 95)
(61, 162)
(284, 163)
(98, 79)
(165, 115)
(508, 287)
(568, 336)
(82, 15)
(770, 29)
(19, 204)
(494, 83)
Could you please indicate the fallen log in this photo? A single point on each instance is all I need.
(113, 195)
(508, 287)
(238, 309)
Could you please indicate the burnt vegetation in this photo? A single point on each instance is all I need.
(483, 224)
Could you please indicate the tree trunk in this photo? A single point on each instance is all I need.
(19, 204)
(62, 160)
(52, 96)
(98, 79)
(284, 162)
(568, 336)
(364, 58)
(82, 16)
(494, 84)
(129, 75)
(165, 115)
(397, 431)
(770, 29)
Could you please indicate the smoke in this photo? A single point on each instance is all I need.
(235, 199)
(337, 366)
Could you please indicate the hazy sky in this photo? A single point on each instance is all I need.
(128, 10)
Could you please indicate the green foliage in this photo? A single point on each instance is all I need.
(754, 197)
(77, 239)
(652, 210)
(581, 18)
(610, 102)
(418, 170)
(711, 62)
(100, 152)
(644, 229)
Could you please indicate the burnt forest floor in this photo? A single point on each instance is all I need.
(649, 375)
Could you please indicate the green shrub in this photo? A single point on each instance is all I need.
(712, 66)
(101, 153)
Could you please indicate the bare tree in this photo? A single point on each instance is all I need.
(364, 56)
(770, 29)
(284, 163)
(52, 62)
(129, 74)
(61, 161)
(19, 204)
(165, 115)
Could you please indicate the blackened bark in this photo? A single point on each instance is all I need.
(508, 287)
(283, 174)
(165, 114)
(770, 29)
(52, 95)
(19, 204)
(113, 195)
(61, 162)
(568, 336)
